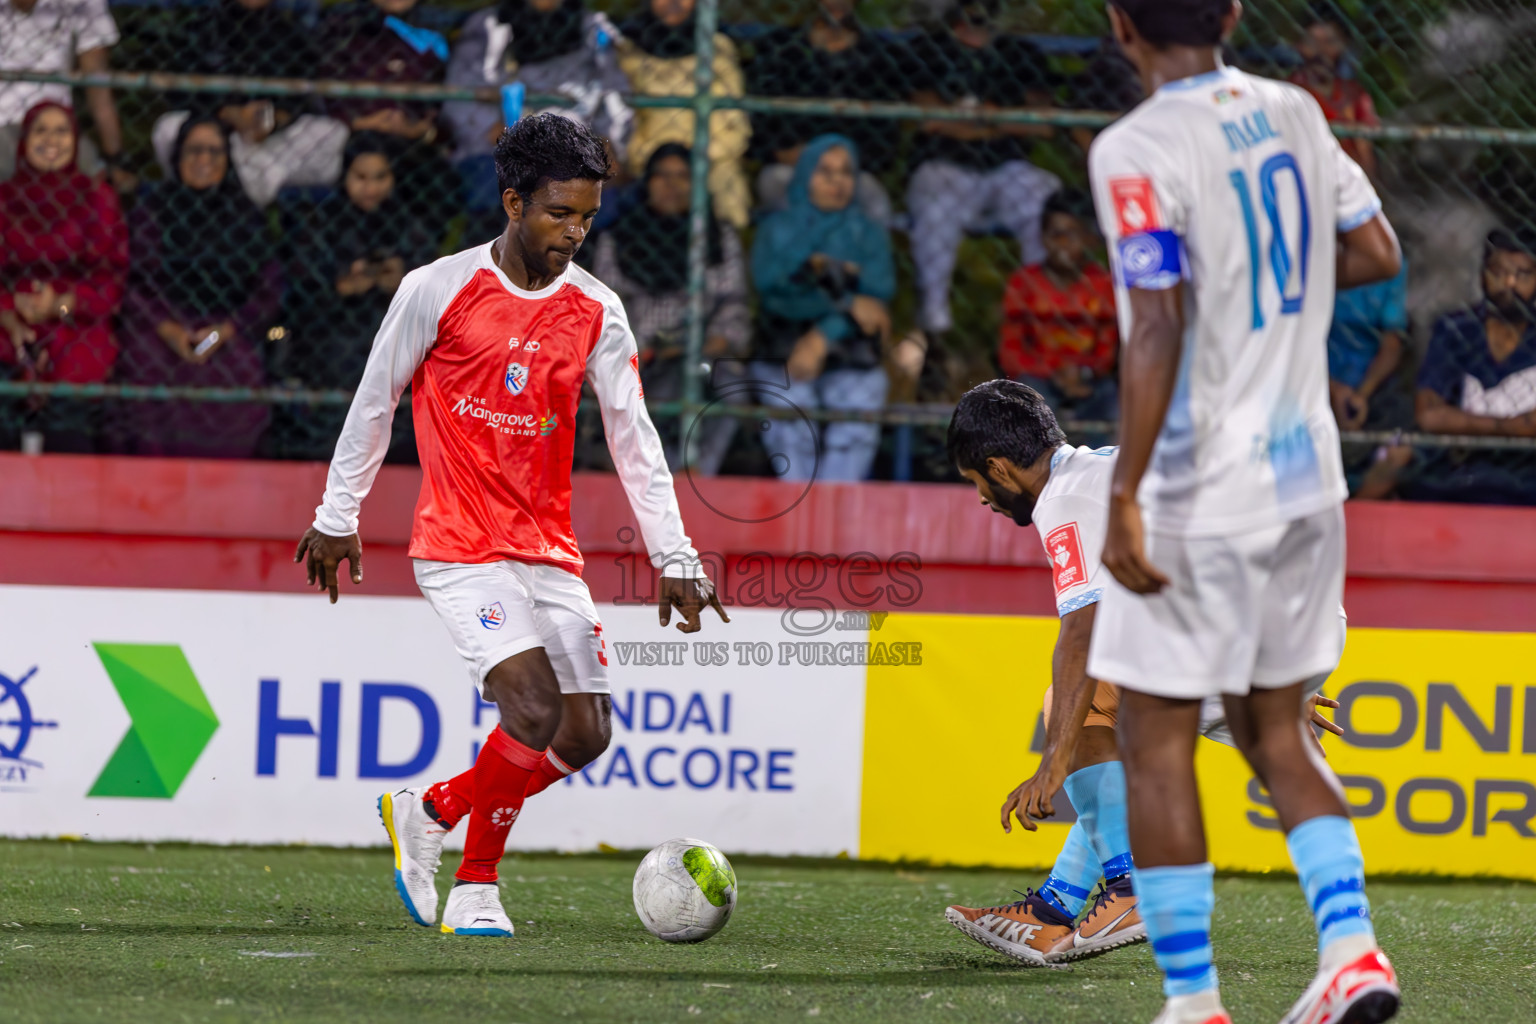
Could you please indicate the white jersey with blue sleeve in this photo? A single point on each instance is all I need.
(1072, 517)
(1232, 188)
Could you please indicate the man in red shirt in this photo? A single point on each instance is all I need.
(1059, 334)
(495, 344)
(1324, 72)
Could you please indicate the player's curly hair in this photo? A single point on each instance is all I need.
(1002, 419)
(548, 147)
(1165, 23)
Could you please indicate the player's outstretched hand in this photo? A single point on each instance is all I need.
(323, 554)
(1316, 718)
(1033, 799)
(690, 598)
(1125, 552)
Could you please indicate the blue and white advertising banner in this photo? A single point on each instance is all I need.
(273, 718)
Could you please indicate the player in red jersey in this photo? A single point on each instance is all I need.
(495, 344)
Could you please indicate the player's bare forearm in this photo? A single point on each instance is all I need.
(1368, 254)
(1149, 366)
(1071, 696)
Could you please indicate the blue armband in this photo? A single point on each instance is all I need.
(1152, 260)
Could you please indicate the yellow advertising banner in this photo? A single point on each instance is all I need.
(1438, 758)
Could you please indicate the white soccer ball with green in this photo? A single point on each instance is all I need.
(685, 891)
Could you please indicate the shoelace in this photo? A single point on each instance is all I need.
(485, 903)
(1015, 905)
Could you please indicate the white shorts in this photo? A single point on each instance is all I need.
(1255, 609)
(499, 609)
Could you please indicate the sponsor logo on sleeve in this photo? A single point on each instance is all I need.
(1065, 549)
(1135, 203)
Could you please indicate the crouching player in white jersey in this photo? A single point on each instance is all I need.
(1004, 438)
(495, 343)
(1231, 214)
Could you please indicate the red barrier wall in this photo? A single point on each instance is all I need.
(88, 521)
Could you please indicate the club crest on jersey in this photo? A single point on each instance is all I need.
(492, 616)
(1135, 204)
(517, 378)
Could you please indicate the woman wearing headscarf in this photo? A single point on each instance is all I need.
(347, 260)
(658, 54)
(824, 278)
(63, 255)
(644, 258)
(202, 292)
(547, 46)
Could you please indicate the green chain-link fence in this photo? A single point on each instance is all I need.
(272, 168)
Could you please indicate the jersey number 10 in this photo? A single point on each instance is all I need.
(1287, 257)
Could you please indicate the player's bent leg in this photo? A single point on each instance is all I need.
(585, 730)
(1172, 876)
(1355, 982)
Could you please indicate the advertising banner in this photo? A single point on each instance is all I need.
(1438, 756)
(261, 718)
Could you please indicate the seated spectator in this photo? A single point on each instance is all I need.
(202, 291)
(831, 56)
(1059, 333)
(824, 279)
(644, 258)
(550, 46)
(63, 254)
(657, 53)
(275, 141)
(969, 175)
(1365, 353)
(1327, 72)
(1479, 377)
(59, 35)
(348, 257)
(377, 42)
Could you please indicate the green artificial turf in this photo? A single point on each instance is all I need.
(176, 933)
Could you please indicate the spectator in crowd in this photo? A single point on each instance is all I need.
(825, 279)
(1059, 333)
(1479, 377)
(1327, 72)
(275, 141)
(63, 254)
(59, 35)
(1365, 353)
(550, 46)
(657, 53)
(644, 258)
(379, 42)
(347, 260)
(831, 56)
(972, 175)
(202, 291)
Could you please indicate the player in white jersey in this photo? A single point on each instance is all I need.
(1005, 440)
(1231, 214)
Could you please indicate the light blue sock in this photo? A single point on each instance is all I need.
(1176, 904)
(1098, 794)
(1327, 856)
(1073, 874)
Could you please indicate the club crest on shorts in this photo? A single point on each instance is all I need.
(516, 378)
(492, 616)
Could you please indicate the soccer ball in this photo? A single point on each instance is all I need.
(685, 891)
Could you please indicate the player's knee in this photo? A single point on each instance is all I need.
(528, 701)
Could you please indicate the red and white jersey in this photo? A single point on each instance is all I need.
(495, 373)
(1072, 515)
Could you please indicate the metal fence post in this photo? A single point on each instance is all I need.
(707, 18)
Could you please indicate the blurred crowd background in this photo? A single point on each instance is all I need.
(864, 270)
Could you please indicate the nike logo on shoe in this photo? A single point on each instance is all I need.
(1079, 939)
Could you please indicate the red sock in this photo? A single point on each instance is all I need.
(452, 800)
(550, 771)
(501, 776)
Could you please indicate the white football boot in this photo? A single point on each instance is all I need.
(475, 909)
(1200, 1008)
(1355, 985)
(418, 841)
